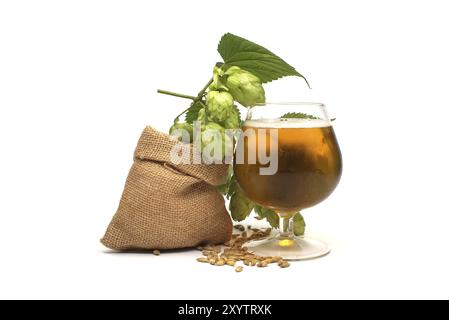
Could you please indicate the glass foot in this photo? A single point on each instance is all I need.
(296, 248)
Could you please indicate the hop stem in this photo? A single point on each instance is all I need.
(200, 94)
(180, 95)
(185, 96)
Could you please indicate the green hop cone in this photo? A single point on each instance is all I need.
(218, 105)
(215, 143)
(202, 116)
(182, 131)
(233, 119)
(217, 82)
(245, 87)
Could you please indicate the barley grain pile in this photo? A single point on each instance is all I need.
(234, 252)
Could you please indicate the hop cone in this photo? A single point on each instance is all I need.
(245, 87)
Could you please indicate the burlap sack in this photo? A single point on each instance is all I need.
(167, 206)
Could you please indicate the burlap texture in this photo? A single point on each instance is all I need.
(168, 206)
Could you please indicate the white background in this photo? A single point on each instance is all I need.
(78, 83)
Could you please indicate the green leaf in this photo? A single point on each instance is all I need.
(228, 188)
(299, 225)
(238, 113)
(240, 206)
(192, 112)
(298, 115)
(232, 187)
(222, 189)
(270, 215)
(237, 51)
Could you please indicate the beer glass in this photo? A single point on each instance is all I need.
(288, 159)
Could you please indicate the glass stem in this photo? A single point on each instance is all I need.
(286, 226)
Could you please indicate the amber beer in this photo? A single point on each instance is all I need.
(309, 163)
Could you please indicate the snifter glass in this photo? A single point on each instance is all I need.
(288, 159)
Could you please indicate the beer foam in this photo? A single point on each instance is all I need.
(287, 123)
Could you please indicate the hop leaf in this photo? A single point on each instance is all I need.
(228, 188)
(267, 66)
(192, 112)
(240, 206)
(298, 115)
(299, 225)
(270, 215)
